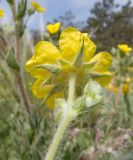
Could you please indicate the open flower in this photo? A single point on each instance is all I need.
(53, 67)
(38, 7)
(1, 13)
(53, 28)
(125, 48)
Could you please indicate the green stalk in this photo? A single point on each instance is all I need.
(69, 115)
(128, 105)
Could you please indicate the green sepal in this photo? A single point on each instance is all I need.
(51, 68)
(63, 63)
(79, 58)
(47, 82)
(11, 61)
(88, 65)
(56, 88)
(98, 75)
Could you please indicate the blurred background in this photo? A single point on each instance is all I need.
(109, 135)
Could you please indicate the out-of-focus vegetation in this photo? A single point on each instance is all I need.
(109, 137)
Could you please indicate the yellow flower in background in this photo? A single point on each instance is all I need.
(38, 7)
(128, 79)
(113, 88)
(52, 67)
(1, 13)
(125, 48)
(125, 88)
(53, 28)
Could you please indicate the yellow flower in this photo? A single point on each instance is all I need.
(1, 13)
(53, 67)
(125, 88)
(124, 48)
(54, 28)
(128, 79)
(113, 88)
(37, 7)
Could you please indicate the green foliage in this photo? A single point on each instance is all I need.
(11, 61)
(111, 24)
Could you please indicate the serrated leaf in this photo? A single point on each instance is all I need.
(11, 61)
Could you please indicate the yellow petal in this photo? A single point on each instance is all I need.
(44, 52)
(1, 13)
(105, 80)
(38, 7)
(124, 48)
(103, 62)
(89, 48)
(51, 101)
(54, 28)
(35, 72)
(70, 43)
(125, 88)
(40, 91)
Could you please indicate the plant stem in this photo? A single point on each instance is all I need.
(18, 53)
(71, 90)
(57, 138)
(128, 106)
(68, 117)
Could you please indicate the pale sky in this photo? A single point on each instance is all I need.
(55, 8)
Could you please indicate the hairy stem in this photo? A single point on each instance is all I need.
(57, 138)
(69, 115)
(71, 90)
(18, 53)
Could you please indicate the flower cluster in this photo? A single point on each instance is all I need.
(53, 67)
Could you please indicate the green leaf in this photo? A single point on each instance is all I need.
(79, 105)
(11, 61)
(51, 68)
(60, 105)
(92, 88)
